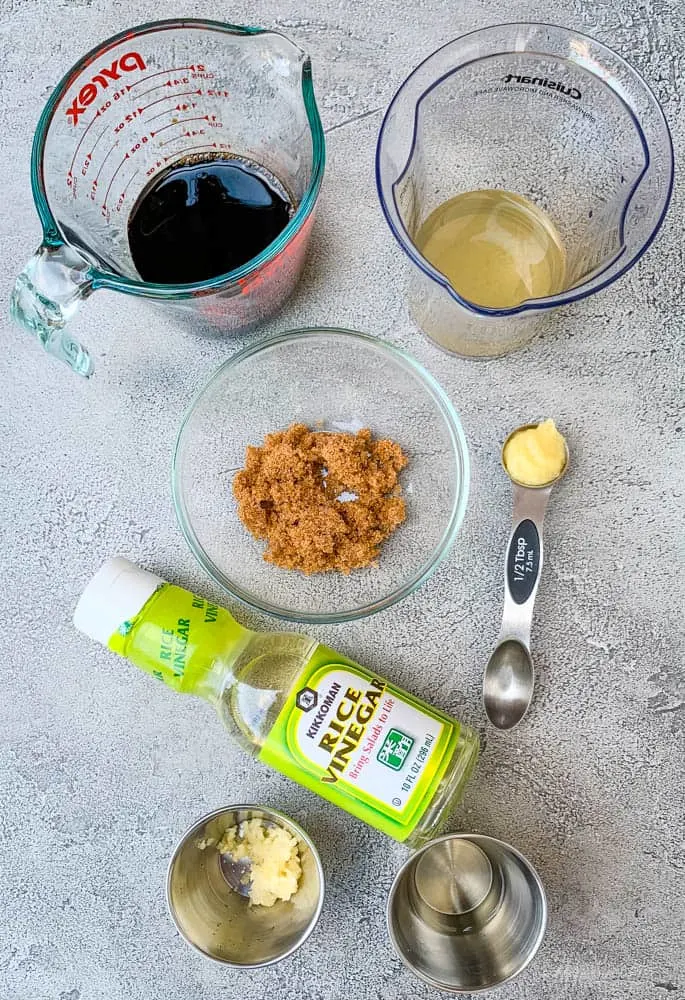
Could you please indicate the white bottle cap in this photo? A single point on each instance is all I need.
(116, 594)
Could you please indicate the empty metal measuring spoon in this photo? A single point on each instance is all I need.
(509, 677)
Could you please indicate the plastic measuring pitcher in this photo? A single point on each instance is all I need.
(545, 113)
(134, 106)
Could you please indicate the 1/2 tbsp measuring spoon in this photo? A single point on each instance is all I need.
(509, 676)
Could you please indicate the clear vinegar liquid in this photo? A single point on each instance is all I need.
(495, 248)
(262, 679)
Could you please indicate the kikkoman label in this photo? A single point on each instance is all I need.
(361, 743)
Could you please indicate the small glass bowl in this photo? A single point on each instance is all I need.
(332, 380)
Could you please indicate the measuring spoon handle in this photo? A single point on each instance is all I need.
(523, 563)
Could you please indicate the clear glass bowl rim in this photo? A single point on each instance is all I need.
(456, 515)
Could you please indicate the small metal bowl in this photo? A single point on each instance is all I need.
(220, 923)
(466, 913)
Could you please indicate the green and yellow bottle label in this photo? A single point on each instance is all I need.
(346, 734)
(176, 637)
(363, 744)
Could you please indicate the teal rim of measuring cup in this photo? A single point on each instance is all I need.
(52, 236)
(578, 292)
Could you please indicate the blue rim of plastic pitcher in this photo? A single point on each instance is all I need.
(116, 282)
(456, 516)
(529, 305)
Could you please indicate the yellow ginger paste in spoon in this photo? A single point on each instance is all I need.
(535, 456)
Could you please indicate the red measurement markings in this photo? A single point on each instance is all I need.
(179, 121)
(168, 111)
(122, 196)
(94, 186)
(116, 96)
(104, 132)
(130, 117)
(155, 166)
(172, 97)
(168, 72)
(141, 142)
(89, 158)
(190, 134)
(111, 181)
(181, 81)
(78, 146)
(153, 89)
(126, 187)
(128, 184)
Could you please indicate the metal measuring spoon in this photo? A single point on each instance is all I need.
(238, 873)
(509, 677)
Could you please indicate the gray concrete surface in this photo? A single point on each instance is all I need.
(101, 769)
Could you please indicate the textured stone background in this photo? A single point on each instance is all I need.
(101, 769)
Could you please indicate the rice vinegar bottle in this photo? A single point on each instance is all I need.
(331, 725)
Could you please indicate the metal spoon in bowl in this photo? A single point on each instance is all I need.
(509, 677)
(238, 873)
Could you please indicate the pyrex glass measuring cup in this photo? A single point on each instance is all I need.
(545, 113)
(140, 102)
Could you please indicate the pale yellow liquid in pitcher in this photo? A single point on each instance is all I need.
(495, 248)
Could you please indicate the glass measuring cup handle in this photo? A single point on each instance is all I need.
(523, 564)
(46, 295)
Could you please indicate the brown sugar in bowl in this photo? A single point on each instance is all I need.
(322, 501)
(331, 381)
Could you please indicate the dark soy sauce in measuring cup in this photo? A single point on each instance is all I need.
(202, 218)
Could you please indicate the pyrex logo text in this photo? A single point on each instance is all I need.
(89, 91)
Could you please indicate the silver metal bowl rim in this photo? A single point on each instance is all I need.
(281, 819)
(478, 839)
